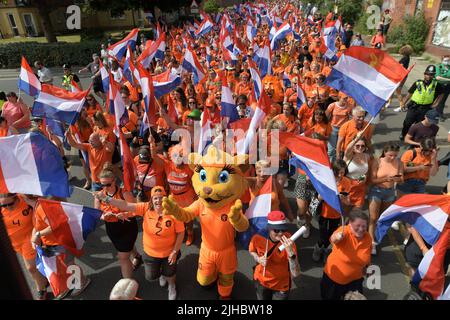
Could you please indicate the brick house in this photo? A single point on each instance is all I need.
(437, 12)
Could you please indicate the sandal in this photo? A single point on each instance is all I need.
(137, 262)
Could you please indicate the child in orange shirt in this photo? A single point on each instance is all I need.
(330, 219)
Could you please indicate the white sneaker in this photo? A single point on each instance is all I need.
(162, 281)
(399, 109)
(172, 292)
(307, 232)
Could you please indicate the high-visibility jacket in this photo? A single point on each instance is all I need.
(424, 94)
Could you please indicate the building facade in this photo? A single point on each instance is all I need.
(437, 12)
(19, 18)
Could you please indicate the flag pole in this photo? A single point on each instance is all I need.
(265, 256)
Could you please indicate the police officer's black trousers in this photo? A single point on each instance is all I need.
(416, 113)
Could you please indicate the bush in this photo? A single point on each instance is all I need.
(51, 54)
(211, 6)
(413, 31)
(92, 34)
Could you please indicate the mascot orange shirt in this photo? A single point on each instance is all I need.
(219, 182)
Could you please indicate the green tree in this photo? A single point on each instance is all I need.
(211, 6)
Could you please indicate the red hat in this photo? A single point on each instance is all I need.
(276, 220)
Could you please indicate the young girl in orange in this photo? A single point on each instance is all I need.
(289, 119)
(330, 219)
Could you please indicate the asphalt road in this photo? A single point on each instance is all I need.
(100, 264)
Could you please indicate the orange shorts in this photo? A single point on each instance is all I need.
(25, 249)
(214, 262)
(357, 193)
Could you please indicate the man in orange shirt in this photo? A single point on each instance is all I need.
(338, 112)
(99, 151)
(349, 258)
(274, 268)
(351, 128)
(17, 217)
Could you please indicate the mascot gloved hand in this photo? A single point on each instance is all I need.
(219, 182)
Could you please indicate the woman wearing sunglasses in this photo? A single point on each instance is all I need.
(274, 269)
(123, 234)
(163, 236)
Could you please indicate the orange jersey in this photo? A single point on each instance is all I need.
(349, 257)
(18, 222)
(160, 232)
(180, 185)
(217, 232)
(107, 133)
(97, 158)
(328, 212)
(305, 113)
(155, 175)
(290, 122)
(338, 114)
(107, 207)
(277, 276)
(323, 129)
(132, 124)
(407, 159)
(348, 132)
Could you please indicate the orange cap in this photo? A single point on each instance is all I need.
(158, 191)
(210, 102)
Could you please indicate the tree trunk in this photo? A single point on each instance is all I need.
(44, 13)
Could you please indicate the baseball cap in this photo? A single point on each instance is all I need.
(276, 220)
(432, 116)
(144, 155)
(66, 66)
(195, 114)
(157, 191)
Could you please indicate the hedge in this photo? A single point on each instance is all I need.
(51, 54)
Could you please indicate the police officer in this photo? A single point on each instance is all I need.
(422, 96)
(67, 78)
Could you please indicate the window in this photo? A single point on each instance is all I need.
(29, 25)
(441, 35)
(120, 16)
(12, 23)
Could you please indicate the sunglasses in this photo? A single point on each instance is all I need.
(6, 205)
(106, 184)
(360, 146)
(277, 230)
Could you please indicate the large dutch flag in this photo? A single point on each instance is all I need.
(129, 70)
(256, 78)
(257, 213)
(301, 97)
(119, 49)
(240, 129)
(206, 133)
(427, 213)
(191, 64)
(59, 104)
(263, 60)
(31, 164)
(52, 266)
(430, 275)
(71, 223)
(148, 93)
(370, 76)
(281, 33)
(250, 30)
(105, 77)
(328, 43)
(165, 83)
(28, 82)
(117, 106)
(311, 156)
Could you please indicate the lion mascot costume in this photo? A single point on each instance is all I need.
(219, 182)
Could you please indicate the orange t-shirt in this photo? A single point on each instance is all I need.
(97, 158)
(277, 276)
(338, 114)
(132, 124)
(348, 132)
(162, 124)
(107, 133)
(349, 257)
(155, 175)
(407, 157)
(40, 224)
(323, 129)
(327, 211)
(305, 113)
(160, 232)
(134, 94)
(291, 124)
(107, 207)
(18, 222)
(217, 232)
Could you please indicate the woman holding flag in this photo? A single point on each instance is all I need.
(123, 234)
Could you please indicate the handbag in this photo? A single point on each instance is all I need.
(315, 206)
(141, 195)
